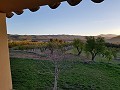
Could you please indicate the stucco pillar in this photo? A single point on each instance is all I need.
(5, 72)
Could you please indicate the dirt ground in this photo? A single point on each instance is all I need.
(44, 55)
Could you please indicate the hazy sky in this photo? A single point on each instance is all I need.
(87, 18)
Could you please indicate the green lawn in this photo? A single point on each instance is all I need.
(32, 75)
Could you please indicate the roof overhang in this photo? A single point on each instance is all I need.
(17, 6)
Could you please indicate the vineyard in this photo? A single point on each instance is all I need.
(78, 65)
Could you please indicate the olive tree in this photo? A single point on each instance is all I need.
(108, 54)
(94, 46)
(78, 44)
(51, 46)
(114, 52)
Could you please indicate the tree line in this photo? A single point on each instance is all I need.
(93, 46)
(96, 46)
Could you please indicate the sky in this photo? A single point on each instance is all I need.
(87, 18)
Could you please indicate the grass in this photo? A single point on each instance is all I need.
(96, 76)
(73, 75)
(30, 74)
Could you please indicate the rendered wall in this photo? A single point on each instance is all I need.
(5, 73)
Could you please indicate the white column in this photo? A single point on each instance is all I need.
(5, 72)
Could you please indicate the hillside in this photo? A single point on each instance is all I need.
(44, 37)
(115, 40)
(108, 36)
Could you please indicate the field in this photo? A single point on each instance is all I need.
(28, 74)
(60, 65)
(31, 74)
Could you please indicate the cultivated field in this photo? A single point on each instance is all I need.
(59, 65)
(30, 74)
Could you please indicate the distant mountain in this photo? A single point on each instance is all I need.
(108, 36)
(111, 38)
(114, 40)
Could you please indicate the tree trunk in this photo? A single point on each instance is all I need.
(79, 53)
(51, 51)
(93, 57)
(56, 76)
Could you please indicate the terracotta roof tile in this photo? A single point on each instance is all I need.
(17, 6)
